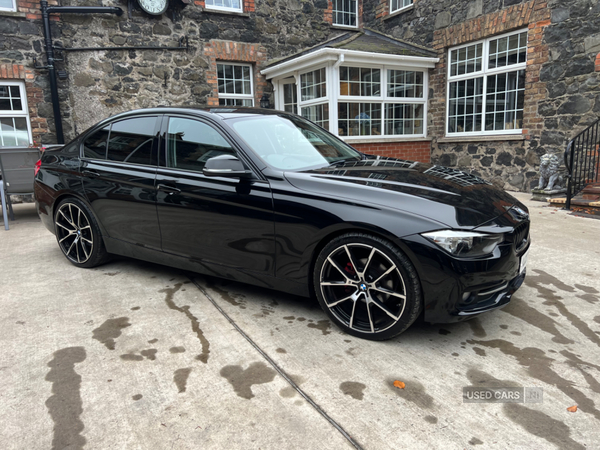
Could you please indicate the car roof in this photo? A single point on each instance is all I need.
(215, 112)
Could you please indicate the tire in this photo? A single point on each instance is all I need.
(367, 286)
(78, 234)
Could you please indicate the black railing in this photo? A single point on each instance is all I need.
(582, 160)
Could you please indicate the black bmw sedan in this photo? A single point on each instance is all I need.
(271, 199)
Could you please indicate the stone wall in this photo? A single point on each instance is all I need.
(563, 83)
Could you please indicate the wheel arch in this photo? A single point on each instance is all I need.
(70, 194)
(367, 229)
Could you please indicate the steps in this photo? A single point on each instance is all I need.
(587, 201)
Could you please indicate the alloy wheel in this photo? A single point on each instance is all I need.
(363, 288)
(74, 232)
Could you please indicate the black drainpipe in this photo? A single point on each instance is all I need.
(46, 11)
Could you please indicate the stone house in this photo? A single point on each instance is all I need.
(484, 85)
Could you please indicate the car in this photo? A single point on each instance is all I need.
(271, 199)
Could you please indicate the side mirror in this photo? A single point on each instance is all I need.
(225, 166)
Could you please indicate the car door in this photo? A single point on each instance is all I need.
(118, 170)
(215, 220)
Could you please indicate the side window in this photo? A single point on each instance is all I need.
(131, 140)
(94, 145)
(190, 143)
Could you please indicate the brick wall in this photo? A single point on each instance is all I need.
(35, 96)
(31, 8)
(413, 151)
(254, 54)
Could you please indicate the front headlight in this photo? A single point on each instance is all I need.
(465, 243)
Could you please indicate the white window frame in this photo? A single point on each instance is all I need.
(237, 96)
(11, 9)
(400, 8)
(334, 15)
(483, 73)
(224, 8)
(23, 113)
(383, 99)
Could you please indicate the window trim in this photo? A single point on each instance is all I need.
(483, 73)
(24, 112)
(403, 8)
(13, 9)
(236, 96)
(224, 8)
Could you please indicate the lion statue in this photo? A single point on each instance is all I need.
(550, 178)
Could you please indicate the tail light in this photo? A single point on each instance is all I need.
(38, 165)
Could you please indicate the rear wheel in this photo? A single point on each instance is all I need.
(367, 286)
(78, 234)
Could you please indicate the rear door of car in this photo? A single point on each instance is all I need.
(119, 163)
(226, 221)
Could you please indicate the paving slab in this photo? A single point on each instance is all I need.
(136, 355)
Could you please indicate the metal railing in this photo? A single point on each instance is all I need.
(582, 160)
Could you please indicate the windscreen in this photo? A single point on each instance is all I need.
(292, 143)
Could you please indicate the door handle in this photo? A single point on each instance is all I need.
(169, 189)
(90, 173)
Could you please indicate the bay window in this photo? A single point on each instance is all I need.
(486, 86)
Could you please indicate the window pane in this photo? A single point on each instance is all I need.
(21, 132)
(403, 83)
(190, 143)
(230, 4)
(131, 141)
(508, 50)
(344, 12)
(403, 119)
(95, 145)
(360, 82)
(290, 98)
(465, 105)
(7, 132)
(233, 79)
(236, 102)
(504, 101)
(399, 4)
(318, 114)
(466, 60)
(312, 85)
(359, 119)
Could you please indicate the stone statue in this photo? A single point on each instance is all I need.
(550, 178)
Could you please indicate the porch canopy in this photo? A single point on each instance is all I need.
(362, 86)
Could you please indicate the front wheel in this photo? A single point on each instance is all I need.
(367, 286)
(78, 234)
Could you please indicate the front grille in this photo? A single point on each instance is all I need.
(521, 236)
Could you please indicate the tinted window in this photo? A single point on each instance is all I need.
(131, 140)
(191, 143)
(95, 145)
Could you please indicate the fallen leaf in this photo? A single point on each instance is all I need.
(572, 408)
(399, 384)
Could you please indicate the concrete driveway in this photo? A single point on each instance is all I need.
(133, 355)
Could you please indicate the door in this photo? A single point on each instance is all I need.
(215, 220)
(119, 168)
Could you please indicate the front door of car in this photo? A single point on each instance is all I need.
(119, 167)
(213, 220)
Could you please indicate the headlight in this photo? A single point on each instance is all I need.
(465, 243)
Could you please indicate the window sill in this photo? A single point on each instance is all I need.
(399, 12)
(227, 13)
(343, 27)
(499, 137)
(13, 14)
(384, 140)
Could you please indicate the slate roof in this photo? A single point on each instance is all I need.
(365, 40)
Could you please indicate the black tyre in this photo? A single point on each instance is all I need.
(367, 286)
(78, 234)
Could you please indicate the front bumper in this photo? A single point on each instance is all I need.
(456, 289)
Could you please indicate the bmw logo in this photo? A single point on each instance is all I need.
(363, 287)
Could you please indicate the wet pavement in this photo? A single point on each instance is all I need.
(136, 355)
